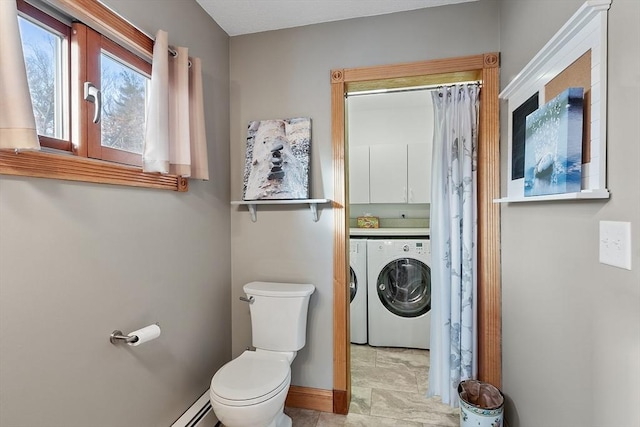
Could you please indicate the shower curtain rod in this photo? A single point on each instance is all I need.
(411, 89)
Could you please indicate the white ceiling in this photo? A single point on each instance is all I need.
(238, 17)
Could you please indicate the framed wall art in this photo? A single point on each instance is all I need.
(553, 146)
(277, 159)
(576, 57)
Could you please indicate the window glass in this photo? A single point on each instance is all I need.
(42, 51)
(124, 95)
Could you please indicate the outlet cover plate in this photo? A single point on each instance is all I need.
(615, 244)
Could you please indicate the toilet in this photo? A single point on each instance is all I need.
(250, 390)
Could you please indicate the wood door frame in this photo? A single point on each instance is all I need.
(483, 67)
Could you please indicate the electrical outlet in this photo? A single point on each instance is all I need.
(615, 244)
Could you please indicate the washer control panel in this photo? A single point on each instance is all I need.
(419, 248)
(416, 248)
(405, 247)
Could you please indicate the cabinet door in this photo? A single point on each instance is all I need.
(388, 173)
(359, 174)
(419, 173)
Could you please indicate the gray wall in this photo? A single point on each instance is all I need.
(79, 260)
(98, 262)
(285, 73)
(571, 326)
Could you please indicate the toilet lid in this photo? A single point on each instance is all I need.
(250, 376)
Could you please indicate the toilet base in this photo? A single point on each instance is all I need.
(283, 420)
(232, 417)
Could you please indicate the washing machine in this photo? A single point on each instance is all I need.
(399, 292)
(358, 290)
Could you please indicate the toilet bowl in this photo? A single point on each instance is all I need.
(250, 390)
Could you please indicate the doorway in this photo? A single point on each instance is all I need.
(484, 68)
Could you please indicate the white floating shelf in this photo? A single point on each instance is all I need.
(253, 205)
(585, 195)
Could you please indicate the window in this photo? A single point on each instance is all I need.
(61, 59)
(119, 80)
(45, 42)
(123, 80)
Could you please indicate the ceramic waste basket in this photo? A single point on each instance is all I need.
(481, 404)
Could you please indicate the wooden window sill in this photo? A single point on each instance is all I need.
(72, 168)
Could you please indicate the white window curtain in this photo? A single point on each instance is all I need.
(454, 241)
(175, 138)
(17, 123)
(179, 136)
(199, 160)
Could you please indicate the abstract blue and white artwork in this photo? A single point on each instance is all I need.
(553, 146)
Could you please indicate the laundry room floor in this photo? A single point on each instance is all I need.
(388, 388)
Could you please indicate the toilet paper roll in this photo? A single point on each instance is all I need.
(145, 334)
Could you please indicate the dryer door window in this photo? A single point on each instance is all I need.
(353, 284)
(404, 287)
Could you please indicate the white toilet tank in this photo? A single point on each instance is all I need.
(279, 314)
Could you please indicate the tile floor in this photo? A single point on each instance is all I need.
(388, 388)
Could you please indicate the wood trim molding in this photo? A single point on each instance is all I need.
(105, 21)
(73, 168)
(341, 354)
(489, 284)
(486, 68)
(491, 60)
(411, 69)
(310, 398)
(341, 401)
(415, 81)
(337, 76)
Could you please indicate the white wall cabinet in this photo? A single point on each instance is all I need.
(419, 173)
(359, 174)
(388, 173)
(389, 147)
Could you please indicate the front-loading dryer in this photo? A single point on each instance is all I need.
(358, 290)
(399, 292)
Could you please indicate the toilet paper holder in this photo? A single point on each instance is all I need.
(117, 337)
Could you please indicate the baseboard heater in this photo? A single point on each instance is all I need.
(196, 413)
